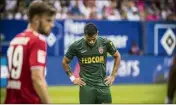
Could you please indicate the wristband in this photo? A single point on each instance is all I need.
(72, 78)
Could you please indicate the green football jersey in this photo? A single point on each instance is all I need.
(92, 60)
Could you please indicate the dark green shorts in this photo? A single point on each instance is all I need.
(94, 95)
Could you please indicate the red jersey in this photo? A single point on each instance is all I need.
(26, 51)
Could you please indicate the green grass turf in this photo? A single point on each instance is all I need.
(154, 93)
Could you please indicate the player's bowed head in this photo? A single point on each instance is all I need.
(90, 34)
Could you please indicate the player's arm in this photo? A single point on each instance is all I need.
(40, 85)
(117, 59)
(65, 63)
(67, 68)
(37, 63)
(116, 55)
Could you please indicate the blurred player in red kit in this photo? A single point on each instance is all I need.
(27, 58)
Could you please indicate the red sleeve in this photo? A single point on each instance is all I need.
(38, 54)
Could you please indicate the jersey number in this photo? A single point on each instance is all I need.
(15, 60)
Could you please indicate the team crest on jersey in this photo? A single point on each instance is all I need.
(101, 50)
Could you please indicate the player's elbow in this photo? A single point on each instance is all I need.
(38, 82)
(117, 56)
(65, 62)
(37, 76)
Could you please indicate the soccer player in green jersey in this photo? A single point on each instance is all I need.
(91, 52)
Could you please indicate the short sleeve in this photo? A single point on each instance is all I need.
(110, 47)
(71, 52)
(38, 55)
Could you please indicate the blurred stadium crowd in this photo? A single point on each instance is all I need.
(132, 10)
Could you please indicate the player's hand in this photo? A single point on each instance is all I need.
(79, 81)
(109, 80)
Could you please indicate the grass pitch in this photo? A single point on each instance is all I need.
(154, 93)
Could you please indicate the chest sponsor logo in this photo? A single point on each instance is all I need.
(91, 60)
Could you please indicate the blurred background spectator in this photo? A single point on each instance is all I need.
(135, 49)
(132, 10)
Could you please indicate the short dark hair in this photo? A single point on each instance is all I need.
(40, 8)
(90, 29)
